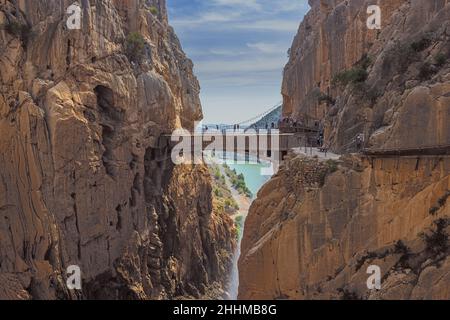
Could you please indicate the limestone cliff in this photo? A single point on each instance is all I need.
(317, 225)
(85, 178)
(386, 76)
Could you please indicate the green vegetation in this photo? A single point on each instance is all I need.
(426, 71)
(154, 10)
(332, 165)
(238, 181)
(348, 295)
(217, 173)
(18, 30)
(434, 210)
(323, 97)
(357, 74)
(365, 62)
(401, 248)
(442, 201)
(420, 45)
(437, 240)
(239, 184)
(401, 56)
(239, 225)
(352, 76)
(135, 47)
(440, 60)
(230, 203)
(223, 200)
(329, 167)
(369, 256)
(217, 192)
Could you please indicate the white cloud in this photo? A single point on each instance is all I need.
(253, 4)
(245, 15)
(269, 48)
(226, 52)
(269, 25)
(249, 64)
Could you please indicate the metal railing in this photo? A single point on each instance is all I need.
(412, 151)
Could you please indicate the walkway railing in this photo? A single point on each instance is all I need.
(413, 151)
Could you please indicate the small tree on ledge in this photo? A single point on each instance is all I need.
(135, 47)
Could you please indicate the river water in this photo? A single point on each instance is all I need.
(254, 181)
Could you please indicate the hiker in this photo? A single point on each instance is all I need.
(321, 137)
(360, 141)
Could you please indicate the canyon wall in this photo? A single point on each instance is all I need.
(86, 177)
(400, 82)
(318, 225)
(312, 232)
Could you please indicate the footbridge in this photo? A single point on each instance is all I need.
(275, 140)
(433, 150)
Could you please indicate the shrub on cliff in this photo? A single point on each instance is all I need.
(323, 97)
(437, 241)
(426, 71)
(400, 57)
(401, 248)
(420, 45)
(154, 10)
(353, 76)
(231, 204)
(239, 225)
(440, 60)
(443, 200)
(365, 62)
(240, 186)
(348, 295)
(18, 30)
(327, 168)
(434, 210)
(135, 47)
(356, 75)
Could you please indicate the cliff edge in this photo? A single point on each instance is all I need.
(86, 179)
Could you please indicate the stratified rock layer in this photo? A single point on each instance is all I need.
(312, 232)
(85, 178)
(317, 226)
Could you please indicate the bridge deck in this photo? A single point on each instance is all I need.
(290, 141)
(416, 151)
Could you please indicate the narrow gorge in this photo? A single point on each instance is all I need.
(88, 178)
(317, 225)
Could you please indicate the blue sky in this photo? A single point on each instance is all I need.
(239, 49)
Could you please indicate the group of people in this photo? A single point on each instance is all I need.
(291, 122)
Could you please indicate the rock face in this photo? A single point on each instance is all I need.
(317, 226)
(313, 231)
(86, 178)
(399, 68)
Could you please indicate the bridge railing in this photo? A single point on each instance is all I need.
(411, 151)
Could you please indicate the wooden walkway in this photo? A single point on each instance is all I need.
(436, 150)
